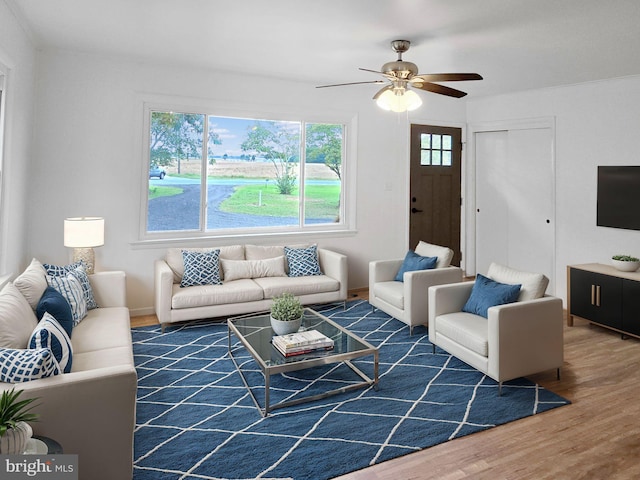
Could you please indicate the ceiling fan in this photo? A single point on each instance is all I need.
(397, 95)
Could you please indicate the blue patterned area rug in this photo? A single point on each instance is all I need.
(196, 420)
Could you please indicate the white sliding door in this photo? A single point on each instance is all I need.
(515, 220)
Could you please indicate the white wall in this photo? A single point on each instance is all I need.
(596, 124)
(17, 63)
(86, 160)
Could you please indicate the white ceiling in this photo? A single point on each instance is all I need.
(515, 44)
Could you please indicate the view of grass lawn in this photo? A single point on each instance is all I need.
(158, 191)
(322, 201)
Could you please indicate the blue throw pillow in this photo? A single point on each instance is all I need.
(71, 289)
(488, 293)
(303, 261)
(54, 302)
(18, 365)
(79, 270)
(412, 262)
(201, 268)
(50, 334)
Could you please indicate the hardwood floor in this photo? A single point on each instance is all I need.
(596, 437)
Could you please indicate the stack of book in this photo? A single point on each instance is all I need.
(302, 342)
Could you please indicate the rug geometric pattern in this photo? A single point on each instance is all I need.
(196, 420)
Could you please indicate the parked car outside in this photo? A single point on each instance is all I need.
(156, 171)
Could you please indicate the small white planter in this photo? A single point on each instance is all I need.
(14, 441)
(625, 266)
(283, 328)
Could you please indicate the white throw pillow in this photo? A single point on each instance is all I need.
(444, 254)
(32, 282)
(533, 284)
(71, 289)
(17, 319)
(237, 269)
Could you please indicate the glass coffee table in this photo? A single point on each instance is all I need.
(254, 333)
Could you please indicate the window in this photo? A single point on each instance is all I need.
(435, 149)
(220, 175)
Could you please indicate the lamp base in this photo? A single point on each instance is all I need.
(87, 256)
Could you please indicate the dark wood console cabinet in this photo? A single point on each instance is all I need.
(603, 295)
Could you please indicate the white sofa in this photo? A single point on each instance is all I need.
(514, 340)
(249, 291)
(90, 411)
(408, 300)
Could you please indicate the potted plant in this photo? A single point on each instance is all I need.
(15, 432)
(625, 263)
(286, 314)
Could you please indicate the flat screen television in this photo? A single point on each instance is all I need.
(619, 197)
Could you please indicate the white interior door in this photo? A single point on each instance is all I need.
(515, 200)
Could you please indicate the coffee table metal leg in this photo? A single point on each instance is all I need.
(267, 377)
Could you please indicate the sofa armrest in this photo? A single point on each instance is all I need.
(383, 271)
(448, 298)
(416, 288)
(525, 337)
(163, 287)
(334, 265)
(109, 288)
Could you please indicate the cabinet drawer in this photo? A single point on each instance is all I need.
(631, 307)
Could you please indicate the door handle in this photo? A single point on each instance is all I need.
(415, 210)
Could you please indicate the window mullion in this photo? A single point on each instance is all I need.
(301, 172)
(204, 204)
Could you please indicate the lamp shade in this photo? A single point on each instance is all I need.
(83, 232)
(399, 100)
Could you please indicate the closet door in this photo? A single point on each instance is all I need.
(515, 200)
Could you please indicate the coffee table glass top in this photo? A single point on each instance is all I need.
(257, 333)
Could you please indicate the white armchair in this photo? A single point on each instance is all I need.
(408, 300)
(515, 340)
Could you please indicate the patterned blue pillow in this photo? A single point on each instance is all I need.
(50, 334)
(71, 289)
(201, 268)
(54, 302)
(18, 365)
(79, 270)
(487, 293)
(303, 261)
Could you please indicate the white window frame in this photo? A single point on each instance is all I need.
(347, 225)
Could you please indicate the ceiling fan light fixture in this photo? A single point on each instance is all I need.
(399, 100)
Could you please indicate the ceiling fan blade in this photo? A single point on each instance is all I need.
(350, 83)
(446, 77)
(441, 89)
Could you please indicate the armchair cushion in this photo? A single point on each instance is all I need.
(533, 285)
(466, 329)
(488, 293)
(444, 254)
(412, 262)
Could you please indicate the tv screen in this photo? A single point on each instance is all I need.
(619, 197)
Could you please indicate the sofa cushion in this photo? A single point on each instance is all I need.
(201, 268)
(391, 292)
(444, 254)
(18, 365)
(302, 262)
(53, 302)
(533, 285)
(105, 358)
(176, 263)
(79, 270)
(487, 293)
(237, 269)
(71, 289)
(102, 328)
(32, 282)
(50, 334)
(244, 290)
(412, 262)
(273, 286)
(469, 330)
(17, 319)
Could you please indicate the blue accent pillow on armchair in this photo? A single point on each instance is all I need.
(488, 293)
(412, 262)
